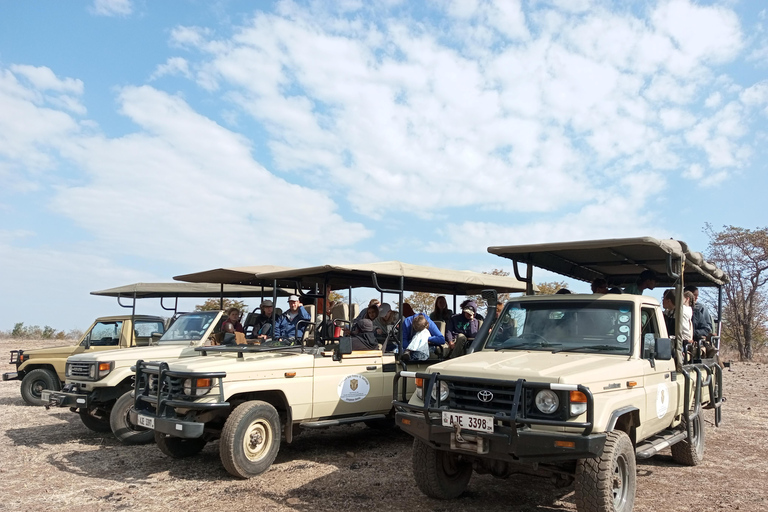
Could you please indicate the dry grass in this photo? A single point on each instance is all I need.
(50, 461)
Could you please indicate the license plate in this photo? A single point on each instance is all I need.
(468, 421)
(146, 421)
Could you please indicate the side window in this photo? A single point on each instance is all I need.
(106, 334)
(649, 329)
(145, 329)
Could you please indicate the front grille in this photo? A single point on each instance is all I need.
(466, 396)
(80, 370)
(173, 386)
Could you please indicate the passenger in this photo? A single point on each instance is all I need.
(436, 338)
(407, 310)
(363, 337)
(687, 325)
(325, 325)
(646, 281)
(286, 326)
(418, 344)
(702, 320)
(262, 327)
(383, 324)
(440, 312)
(600, 285)
(371, 313)
(668, 303)
(563, 291)
(232, 322)
(462, 328)
(467, 301)
(372, 303)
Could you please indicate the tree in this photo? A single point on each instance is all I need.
(421, 302)
(503, 297)
(551, 287)
(743, 255)
(215, 305)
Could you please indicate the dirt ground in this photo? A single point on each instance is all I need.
(50, 461)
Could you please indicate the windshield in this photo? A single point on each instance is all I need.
(105, 334)
(191, 326)
(572, 326)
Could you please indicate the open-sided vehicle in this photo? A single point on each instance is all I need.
(249, 397)
(97, 383)
(574, 386)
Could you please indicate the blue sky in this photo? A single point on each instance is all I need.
(141, 140)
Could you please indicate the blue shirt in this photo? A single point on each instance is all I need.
(435, 338)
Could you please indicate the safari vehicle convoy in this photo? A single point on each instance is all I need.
(44, 368)
(98, 384)
(249, 397)
(571, 386)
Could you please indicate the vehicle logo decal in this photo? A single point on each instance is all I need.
(353, 388)
(484, 396)
(662, 400)
(353, 384)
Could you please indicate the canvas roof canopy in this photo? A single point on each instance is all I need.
(161, 290)
(229, 275)
(618, 260)
(388, 276)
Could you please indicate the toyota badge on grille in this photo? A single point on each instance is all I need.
(484, 396)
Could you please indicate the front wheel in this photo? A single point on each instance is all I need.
(250, 439)
(93, 421)
(120, 423)
(33, 384)
(690, 452)
(439, 474)
(607, 483)
(177, 447)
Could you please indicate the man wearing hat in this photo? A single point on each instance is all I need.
(286, 326)
(646, 281)
(262, 326)
(462, 328)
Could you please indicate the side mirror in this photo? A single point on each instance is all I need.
(229, 339)
(345, 347)
(156, 337)
(87, 341)
(663, 349)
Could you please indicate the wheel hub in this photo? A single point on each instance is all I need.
(619, 483)
(257, 440)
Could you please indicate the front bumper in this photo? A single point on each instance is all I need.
(170, 426)
(505, 443)
(64, 399)
(11, 376)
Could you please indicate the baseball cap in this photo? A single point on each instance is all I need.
(267, 304)
(293, 298)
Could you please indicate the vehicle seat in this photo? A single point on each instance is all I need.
(141, 341)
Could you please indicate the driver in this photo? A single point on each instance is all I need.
(287, 325)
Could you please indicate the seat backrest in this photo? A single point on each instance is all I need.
(355, 310)
(340, 311)
(440, 325)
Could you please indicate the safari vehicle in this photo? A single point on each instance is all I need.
(249, 397)
(43, 369)
(96, 382)
(573, 386)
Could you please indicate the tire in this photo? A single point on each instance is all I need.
(608, 483)
(250, 439)
(35, 382)
(125, 431)
(690, 452)
(177, 447)
(95, 423)
(439, 474)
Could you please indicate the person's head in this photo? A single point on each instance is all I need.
(647, 280)
(293, 303)
(374, 302)
(233, 314)
(407, 310)
(563, 291)
(440, 303)
(688, 298)
(499, 308)
(694, 290)
(365, 325)
(668, 300)
(373, 312)
(267, 307)
(385, 312)
(419, 323)
(599, 285)
(469, 308)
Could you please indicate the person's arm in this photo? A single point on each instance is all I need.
(303, 313)
(702, 326)
(406, 331)
(449, 328)
(436, 337)
(278, 327)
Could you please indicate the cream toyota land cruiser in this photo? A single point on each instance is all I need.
(574, 386)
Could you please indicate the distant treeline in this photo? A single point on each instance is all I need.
(36, 332)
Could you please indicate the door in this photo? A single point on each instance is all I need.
(660, 392)
(348, 387)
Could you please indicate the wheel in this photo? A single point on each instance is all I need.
(93, 422)
(177, 447)
(120, 423)
(607, 483)
(250, 439)
(439, 474)
(35, 382)
(690, 452)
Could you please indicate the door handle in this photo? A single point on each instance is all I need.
(371, 367)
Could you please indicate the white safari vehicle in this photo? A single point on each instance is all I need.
(249, 397)
(98, 384)
(573, 386)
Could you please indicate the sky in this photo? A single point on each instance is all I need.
(142, 140)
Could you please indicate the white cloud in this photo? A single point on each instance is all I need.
(173, 66)
(43, 79)
(112, 7)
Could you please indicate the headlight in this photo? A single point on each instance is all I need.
(547, 401)
(443, 392)
(578, 403)
(197, 387)
(104, 369)
(419, 389)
